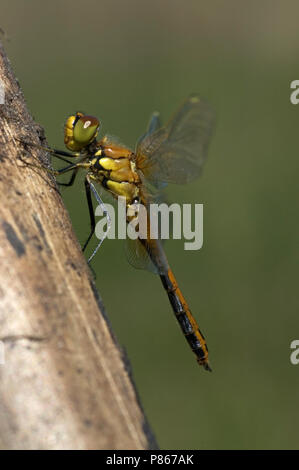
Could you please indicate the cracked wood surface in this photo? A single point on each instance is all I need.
(64, 383)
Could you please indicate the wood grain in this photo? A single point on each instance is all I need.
(64, 383)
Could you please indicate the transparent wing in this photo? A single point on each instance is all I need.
(142, 258)
(138, 257)
(141, 254)
(153, 125)
(176, 152)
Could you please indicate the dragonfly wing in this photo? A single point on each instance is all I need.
(153, 125)
(176, 152)
(138, 257)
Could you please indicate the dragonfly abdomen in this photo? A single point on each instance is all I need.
(185, 319)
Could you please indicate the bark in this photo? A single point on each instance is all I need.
(64, 383)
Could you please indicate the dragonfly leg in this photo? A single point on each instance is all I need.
(72, 179)
(88, 188)
(60, 157)
(72, 166)
(91, 213)
(55, 152)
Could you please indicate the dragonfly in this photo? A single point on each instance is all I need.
(173, 153)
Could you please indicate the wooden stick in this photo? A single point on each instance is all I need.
(64, 383)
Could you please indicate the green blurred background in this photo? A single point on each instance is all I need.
(120, 60)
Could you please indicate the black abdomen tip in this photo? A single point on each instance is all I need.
(205, 365)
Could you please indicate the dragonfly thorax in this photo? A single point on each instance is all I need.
(113, 166)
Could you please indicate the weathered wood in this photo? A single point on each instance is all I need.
(64, 383)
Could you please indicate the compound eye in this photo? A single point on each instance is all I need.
(85, 129)
(76, 118)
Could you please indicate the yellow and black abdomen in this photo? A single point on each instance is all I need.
(186, 320)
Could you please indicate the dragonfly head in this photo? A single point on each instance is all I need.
(80, 130)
